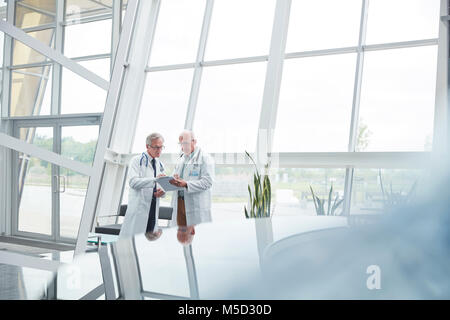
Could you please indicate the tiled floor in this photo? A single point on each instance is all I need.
(17, 283)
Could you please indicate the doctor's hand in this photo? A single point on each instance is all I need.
(160, 175)
(159, 193)
(178, 182)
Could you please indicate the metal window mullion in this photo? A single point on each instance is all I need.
(41, 27)
(198, 71)
(356, 105)
(7, 193)
(29, 65)
(270, 102)
(38, 10)
(191, 272)
(7, 62)
(116, 26)
(76, 21)
(56, 171)
(57, 68)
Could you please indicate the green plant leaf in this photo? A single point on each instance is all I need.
(314, 200)
(329, 199)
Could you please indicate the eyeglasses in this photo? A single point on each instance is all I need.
(157, 148)
(184, 143)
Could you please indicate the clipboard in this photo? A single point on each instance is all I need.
(165, 185)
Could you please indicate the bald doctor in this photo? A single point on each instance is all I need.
(194, 173)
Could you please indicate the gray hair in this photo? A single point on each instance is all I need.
(190, 132)
(153, 136)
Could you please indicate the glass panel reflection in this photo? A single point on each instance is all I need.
(35, 184)
(34, 13)
(87, 39)
(178, 32)
(382, 190)
(92, 99)
(315, 104)
(78, 143)
(293, 196)
(229, 105)
(398, 100)
(307, 30)
(31, 91)
(23, 54)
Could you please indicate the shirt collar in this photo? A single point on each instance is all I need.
(150, 158)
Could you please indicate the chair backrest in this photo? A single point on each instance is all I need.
(123, 210)
(165, 213)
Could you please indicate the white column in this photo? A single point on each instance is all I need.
(349, 172)
(272, 86)
(121, 113)
(441, 117)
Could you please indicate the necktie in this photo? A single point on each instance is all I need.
(152, 215)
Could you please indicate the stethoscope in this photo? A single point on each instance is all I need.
(144, 156)
(197, 157)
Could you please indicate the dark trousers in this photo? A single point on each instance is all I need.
(181, 212)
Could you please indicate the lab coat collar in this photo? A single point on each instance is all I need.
(150, 157)
(192, 155)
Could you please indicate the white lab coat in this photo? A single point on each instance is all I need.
(142, 182)
(199, 175)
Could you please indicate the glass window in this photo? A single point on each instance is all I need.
(230, 193)
(397, 100)
(291, 190)
(101, 67)
(2, 41)
(323, 24)
(23, 54)
(177, 33)
(78, 95)
(402, 20)
(229, 106)
(77, 9)
(77, 143)
(164, 107)
(34, 13)
(236, 31)
(3, 10)
(35, 184)
(315, 104)
(86, 39)
(31, 91)
(379, 190)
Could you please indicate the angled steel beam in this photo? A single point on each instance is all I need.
(40, 47)
(34, 151)
(120, 78)
(269, 109)
(26, 261)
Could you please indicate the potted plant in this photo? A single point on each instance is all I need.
(260, 193)
(332, 206)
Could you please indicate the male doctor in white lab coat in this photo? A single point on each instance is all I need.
(143, 197)
(194, 173)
